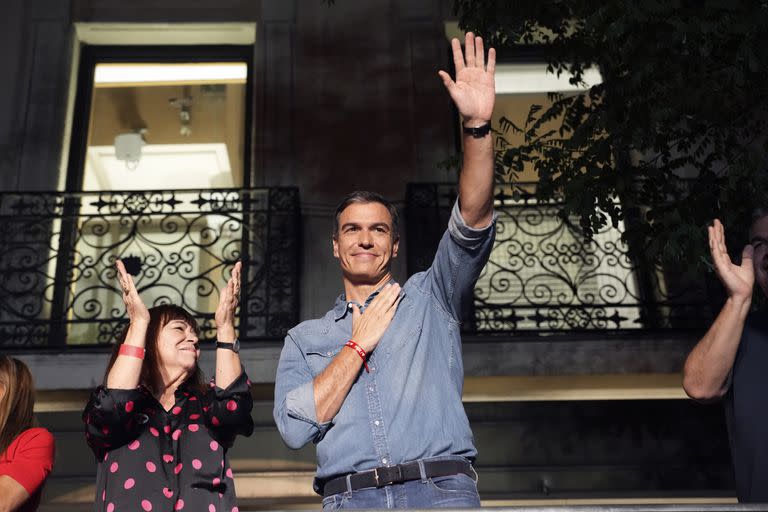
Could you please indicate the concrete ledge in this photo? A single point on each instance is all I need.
(476, 389)
(484, 356)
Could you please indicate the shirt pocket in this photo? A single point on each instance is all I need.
(318, 358)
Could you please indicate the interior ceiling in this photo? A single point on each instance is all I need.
(194, 136)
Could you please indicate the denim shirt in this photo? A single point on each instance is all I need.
(409, 406)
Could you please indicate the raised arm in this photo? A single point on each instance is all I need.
(228, 366)
(126, 370)
(706, 370)
(474, 93)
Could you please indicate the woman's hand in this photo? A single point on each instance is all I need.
(229, 298)
(138, 314)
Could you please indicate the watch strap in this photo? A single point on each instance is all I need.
(478, 132)
(234, 346)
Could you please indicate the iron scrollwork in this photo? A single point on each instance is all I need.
(543, 275)
(180, 245)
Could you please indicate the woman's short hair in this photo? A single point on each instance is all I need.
(18, 400)
(150, 376)
(365, 197)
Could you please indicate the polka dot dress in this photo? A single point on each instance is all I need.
(155, 460)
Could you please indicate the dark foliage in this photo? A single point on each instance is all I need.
(673, 137)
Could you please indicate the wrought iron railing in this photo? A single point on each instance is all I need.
(544, 276)
(57, 253)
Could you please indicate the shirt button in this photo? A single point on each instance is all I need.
(383, 461)
(328, 353)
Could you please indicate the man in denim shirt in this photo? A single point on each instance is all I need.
(376, 383)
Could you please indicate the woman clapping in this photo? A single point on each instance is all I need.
(160, 434)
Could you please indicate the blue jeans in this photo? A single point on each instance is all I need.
(455, 491)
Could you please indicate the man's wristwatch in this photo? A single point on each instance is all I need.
(234, 347)
(478, 132)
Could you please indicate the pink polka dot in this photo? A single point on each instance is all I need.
(194, 416)
(167, 429)
(167, 458)
(248, 381)
(167, 492)
(194, 427)
(177, 469)
(214, 445)
(176, 434)
(205, 408)
(229, 473)
(222, 463)
(231, 405)
(129, 483)
(146, 505)
(197, 464)
(179, 505)
(211, 508)
(104, 495)
(221, 495)
(134, 445)
(106, 456)
(128, 406)
(113, 467)
(216, 481)
(192, 398)
(105, 430)
(215, 421)
(176, 410)
(235, 509)
(154, 431)
(151, 466)
(110, 507)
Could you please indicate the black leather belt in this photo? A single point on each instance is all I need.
(388, 475)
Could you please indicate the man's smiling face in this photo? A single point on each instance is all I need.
(364, 243)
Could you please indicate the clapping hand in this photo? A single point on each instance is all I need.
(737, 279)
(134, 306)
(229, 298)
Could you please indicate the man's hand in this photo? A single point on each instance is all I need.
(368, 328)
(474, 90)
(229, 298)
(737, 279)
(138, 314)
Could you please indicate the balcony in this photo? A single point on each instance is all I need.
(58, 281)
(544, 277)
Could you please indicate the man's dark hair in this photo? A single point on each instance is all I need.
(365, 197)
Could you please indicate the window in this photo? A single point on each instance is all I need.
(157, 131)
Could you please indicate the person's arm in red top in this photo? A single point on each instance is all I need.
(28, 462)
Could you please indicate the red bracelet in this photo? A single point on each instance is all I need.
(131, 351)
(357, 348)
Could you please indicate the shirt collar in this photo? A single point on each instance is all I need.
(342, 307)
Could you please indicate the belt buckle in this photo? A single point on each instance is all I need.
(389, 475)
